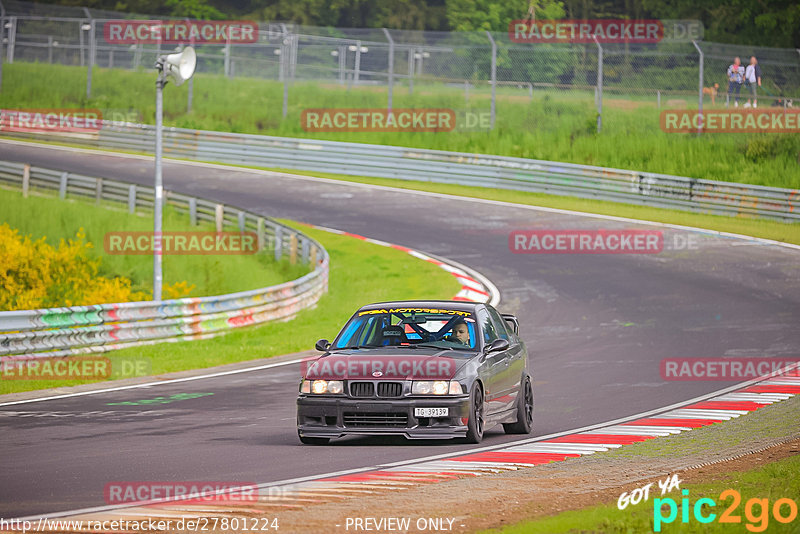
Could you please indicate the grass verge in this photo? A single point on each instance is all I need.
(552, 125)
(360, 273)
(764, 485)
(55, 219)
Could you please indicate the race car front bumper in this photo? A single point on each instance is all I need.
(333, 417)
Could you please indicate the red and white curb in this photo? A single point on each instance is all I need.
(474, 286)
(717, 409)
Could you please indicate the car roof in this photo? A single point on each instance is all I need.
(458, 305)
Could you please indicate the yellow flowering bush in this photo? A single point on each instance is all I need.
(34, 274)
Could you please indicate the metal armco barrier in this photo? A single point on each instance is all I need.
(566, 179)
(87, 329)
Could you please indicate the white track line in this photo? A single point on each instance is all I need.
(151, 384)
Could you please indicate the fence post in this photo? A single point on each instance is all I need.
(260, 233)
(190, 91)
(284, 69)
(278, 243)
(293, 56)
(98, 190)
(26, 180)
(132, 199)
(193, 211)
(219, 214)
(241, 222)
(2, 35)
(304, 250)
(700, 89)
(62, 186)
(111, 60)
(227, 66)
(391, 66)
(81, 42)
(92, 39)
(293, 249)
(599, 85)
(342, 64)
(411, 71)
(494, 77)
(357, 67)
(12, 39)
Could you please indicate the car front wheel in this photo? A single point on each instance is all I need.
(475, 422)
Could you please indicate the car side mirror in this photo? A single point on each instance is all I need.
(322, 345)
(498, 345)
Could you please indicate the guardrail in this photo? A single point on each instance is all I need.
(567, 179)
(98, 328)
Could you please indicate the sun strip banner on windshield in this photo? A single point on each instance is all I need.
(414, 310)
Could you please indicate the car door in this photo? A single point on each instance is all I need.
(491, 370)
(513, 360)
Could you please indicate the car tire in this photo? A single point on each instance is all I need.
(475, 423)
(305, 440)
(524, 422)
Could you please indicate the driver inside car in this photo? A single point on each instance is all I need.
(460, 333)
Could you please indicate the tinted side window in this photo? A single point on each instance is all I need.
(489, 332)
(499, 324)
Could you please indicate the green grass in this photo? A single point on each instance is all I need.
(360, 273)
(773, 481)
(558, 126)
(55, 219)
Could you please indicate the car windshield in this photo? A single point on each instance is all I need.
(409, 327)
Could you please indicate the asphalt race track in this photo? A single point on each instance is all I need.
(596, 325)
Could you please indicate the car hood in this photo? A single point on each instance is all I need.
(386, 365)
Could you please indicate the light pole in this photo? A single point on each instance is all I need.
(180, 67)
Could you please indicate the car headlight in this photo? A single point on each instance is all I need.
(319, 387)
(437, 387)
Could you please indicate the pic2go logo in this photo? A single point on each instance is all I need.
(756, 511)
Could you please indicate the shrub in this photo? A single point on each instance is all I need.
(34, 274)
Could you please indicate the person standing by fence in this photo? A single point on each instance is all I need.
(735, 79)
(752, 76)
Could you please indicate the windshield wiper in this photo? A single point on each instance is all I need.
(359, 347)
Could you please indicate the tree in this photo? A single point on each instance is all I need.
(193, 9)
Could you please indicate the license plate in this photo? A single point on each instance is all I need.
(431, 412)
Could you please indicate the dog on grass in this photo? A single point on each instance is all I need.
(712, 92)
